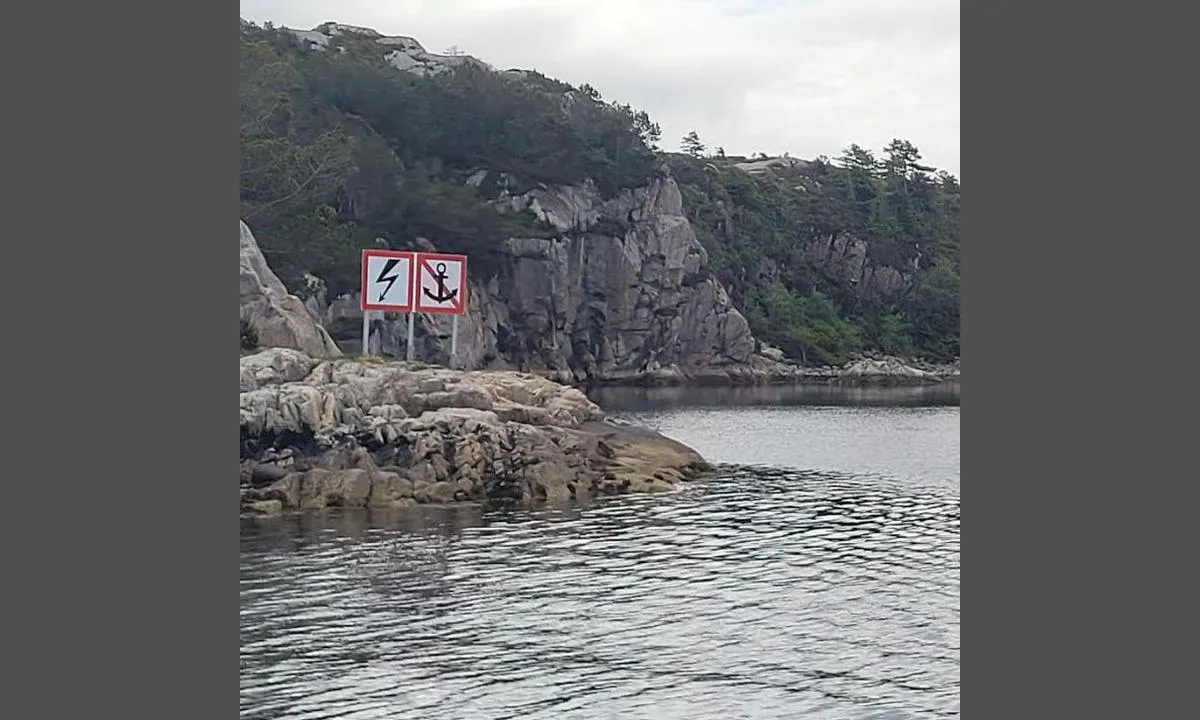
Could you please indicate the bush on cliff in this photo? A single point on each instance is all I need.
(249, 336)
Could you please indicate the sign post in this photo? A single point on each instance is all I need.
(441, 289)
(366, 333)
(408, 347)
(408, 282)
(386, 287)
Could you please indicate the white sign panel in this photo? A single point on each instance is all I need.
(387, 281)
(441, 283)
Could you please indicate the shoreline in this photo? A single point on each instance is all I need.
(813, 379)
(869, 373)
(371, 432)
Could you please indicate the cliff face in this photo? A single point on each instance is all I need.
(621, 292)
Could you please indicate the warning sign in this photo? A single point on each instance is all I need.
(387, 281)
(441, 285)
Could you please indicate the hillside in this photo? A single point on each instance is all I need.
(348, 136)
(827, 259)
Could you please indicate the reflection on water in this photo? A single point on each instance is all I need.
(760, 594)
(643, 399)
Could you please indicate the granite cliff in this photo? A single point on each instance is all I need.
(621, 292)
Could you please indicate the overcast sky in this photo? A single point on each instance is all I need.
(807, 77)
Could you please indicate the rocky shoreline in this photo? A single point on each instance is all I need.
(867, 372)
(322, 430)
(319, 433)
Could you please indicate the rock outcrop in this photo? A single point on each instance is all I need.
(764, 165)
(401, 52)
(321, 433)
(890, 371)
(280, 318)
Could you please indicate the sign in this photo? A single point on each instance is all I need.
(407, 282)
(441, 286)
(387, 281)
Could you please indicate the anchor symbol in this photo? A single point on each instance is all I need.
(444, 293)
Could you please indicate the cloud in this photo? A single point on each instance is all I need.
(807, 77)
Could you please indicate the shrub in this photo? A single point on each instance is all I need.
(249, 336)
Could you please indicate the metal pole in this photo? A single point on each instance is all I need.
(453, 339)
(408, 348)
(366, 333)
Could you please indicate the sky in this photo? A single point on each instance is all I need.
(806, 77)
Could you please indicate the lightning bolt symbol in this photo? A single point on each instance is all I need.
(390, 279)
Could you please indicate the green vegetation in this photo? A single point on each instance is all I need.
(831, 259)
(249, 339)
(338, 149)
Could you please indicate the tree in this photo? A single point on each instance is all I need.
(282, 175)
(858, 159)
(948, 182)
(692, 145)
(266, 80)
(902, 157)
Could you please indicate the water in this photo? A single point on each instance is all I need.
(816, 577)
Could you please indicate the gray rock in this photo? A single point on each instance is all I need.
(401, 52)
(272, 368)
(266, 473)
(888, 370)
(388, 434)
(280, 318)
(262, 507)
(758, 167)
(772, 353)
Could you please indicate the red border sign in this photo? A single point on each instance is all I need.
(412, 263)
(459, 304)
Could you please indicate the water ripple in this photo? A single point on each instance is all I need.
(764, 593)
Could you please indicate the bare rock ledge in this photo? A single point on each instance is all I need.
(368, 433)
